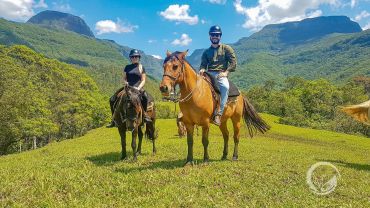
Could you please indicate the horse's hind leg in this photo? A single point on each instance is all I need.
(122, 133)
(153, 134)
(225, 134)
(140, 134)
(205, 142)
(236, 125)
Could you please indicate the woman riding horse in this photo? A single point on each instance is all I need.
(129, 106)
(133, 75)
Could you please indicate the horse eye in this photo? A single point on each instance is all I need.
(175, 67)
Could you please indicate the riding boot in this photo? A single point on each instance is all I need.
(144, 103)
(217, 120)
(112, 100)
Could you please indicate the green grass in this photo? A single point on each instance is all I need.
(271, 171)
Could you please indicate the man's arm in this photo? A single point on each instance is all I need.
(230, 58)
(204, 62)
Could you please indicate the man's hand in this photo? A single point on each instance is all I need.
(222, 74)
(201, 71)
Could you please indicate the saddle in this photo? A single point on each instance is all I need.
(215, 89)
(233, 90)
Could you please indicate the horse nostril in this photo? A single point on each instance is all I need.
(163, 88)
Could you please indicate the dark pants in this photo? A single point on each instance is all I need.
(143, 99)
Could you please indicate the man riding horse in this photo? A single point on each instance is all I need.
(218, 60)
(134, 75)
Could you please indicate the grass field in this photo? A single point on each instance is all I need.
(271, 171)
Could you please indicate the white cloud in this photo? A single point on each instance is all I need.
(61, 7)
(203, 21)
(353, 3)
(183, 41)
(20, 10)
(108, 26)
(362, 15)
(179, 14)
(217, 1)
(366, 27)
(279, 11)
(157, 56)
(152, 41)
(41, 4)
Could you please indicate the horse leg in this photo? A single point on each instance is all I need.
(133, 143)
(153, 135)
(205, 142)
(190, 141)
(236, 125)
(140, 134)
(122, 133)
(225, 134)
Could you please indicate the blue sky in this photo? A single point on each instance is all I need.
(157, 25)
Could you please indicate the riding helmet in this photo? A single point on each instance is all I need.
(134, 52)
(215, 29)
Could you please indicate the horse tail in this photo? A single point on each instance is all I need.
(253, 121)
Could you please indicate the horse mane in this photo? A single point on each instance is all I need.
(175, 55)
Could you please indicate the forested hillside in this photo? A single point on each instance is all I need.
(102, 59)
(334, 48)
(43, 100)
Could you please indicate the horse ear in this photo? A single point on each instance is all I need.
(168, 53)
(183, 54)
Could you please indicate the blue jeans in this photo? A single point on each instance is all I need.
(224, 89)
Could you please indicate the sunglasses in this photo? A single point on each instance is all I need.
(134, 56)
(215, 35)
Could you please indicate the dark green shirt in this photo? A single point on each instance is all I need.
(221, 58)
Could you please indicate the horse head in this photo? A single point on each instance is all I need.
(173, 71)
(132, 107)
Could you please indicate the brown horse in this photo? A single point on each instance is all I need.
(128, 115)
(197, 105)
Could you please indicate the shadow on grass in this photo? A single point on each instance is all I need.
(356, 166)
(105, 159)
(164, 165)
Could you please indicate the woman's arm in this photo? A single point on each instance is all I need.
(142, 83)
(124, 78)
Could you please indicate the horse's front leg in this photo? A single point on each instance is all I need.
(205, 142)
(140, 134)
(133, 142)
(122, 133)
(190, 141)
(225, 135)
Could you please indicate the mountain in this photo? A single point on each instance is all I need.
(332, 47)
(101, 59)
(60, 20)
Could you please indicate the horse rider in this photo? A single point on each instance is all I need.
(218, 60)
(135, 76)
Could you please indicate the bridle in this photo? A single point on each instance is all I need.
(174, 79)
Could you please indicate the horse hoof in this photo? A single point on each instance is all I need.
(124, 158)
(134, 159)
(154, 152)
(206, 161)
(189, 163)
(224, 157)
(235, 158)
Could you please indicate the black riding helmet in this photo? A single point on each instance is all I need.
(215, 30)
(134, 52)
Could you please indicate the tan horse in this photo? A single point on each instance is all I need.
(197, 106)
(360, 112)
